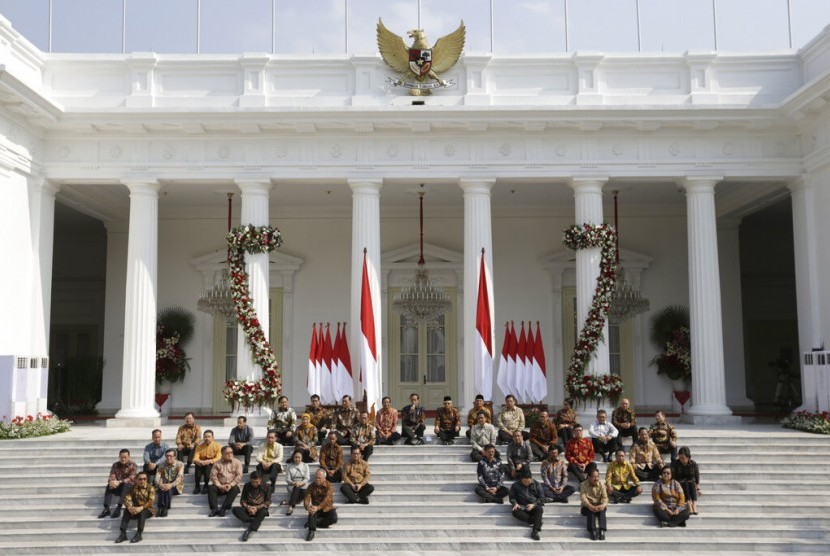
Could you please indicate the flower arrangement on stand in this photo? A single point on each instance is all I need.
(248, 393)
(581, 386)
(174, 330)
(669, 331)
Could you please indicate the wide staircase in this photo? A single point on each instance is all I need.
(765, 490)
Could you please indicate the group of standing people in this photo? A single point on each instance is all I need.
(219, 474)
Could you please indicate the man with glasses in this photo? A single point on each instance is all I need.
(154, 454)
(225, 477)
(242, 440)
(169, 481)
(139, 505)
(121, 479)
(187, 438)
(447, 422)
(254, 503)
(345, 419)
(412, 421)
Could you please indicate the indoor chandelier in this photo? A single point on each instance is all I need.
(217, 300)
(421, 302)
(626, 301)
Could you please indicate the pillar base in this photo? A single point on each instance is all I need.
(134, 422)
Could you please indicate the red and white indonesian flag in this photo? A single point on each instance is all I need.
(521, 365)
(343, 383)
(540, 373)
(483, 342)
(528, 379)
(512, 350)
(313, 383)
(369, 364)
(501, 380)
(326, 382)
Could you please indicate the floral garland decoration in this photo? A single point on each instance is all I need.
(578, 384)
(242, 392)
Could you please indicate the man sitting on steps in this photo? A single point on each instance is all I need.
(356, 475)
(154, 454)
(472, 415)
(319, 504)
(242, 440)
(447, 422)
(664, 435)
(187, 438)
(527, 499)
(580, 454)
(412, 421)
(645, 457)
(138, 504)
(621, 480)
(169, 481)
(269, 459)
(254, 503)
(225, 477)
(331, 459)
(511, 419)
(490, 476)
(207, 453)
(120, 481)
(482, 434)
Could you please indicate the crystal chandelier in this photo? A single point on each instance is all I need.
(217, 300)
(627, 301)
(421, 302)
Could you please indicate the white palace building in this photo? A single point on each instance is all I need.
(115, 169)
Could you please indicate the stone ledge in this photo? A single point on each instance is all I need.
(135, 422)
(710, 419)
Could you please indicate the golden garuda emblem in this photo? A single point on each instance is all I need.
(420, 64)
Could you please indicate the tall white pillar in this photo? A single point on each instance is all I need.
(478, 235)
(254, 211)
(588, 209)
(42, 199)
(810, 332)
(139, 365)
(708, 376)
(365, 235)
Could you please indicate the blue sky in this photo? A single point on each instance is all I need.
(325, 27)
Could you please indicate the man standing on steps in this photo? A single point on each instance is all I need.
(138, 504)
(594, 503)
(490, 477)
(356, 475)
(242, 440)
(225, 477)
(319, 504)
(187, 438)
(472, 416)
(447, 422)
(527, 498)
(412, 421)
(154, 455)
(120, 481)
(482, 434)
(254, 503)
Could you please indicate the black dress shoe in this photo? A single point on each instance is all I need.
(363, 501)
(213, 513)
(681, 524)
(197, 490)
(222, 512)
(186, 469)
(594, 535)
(136, 538)
(310, 536)
(104, 513)
(601, 535)
(246, 535)
(535, 535)
(116, 512)
(122, 537)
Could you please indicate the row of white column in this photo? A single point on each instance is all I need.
(708, 377)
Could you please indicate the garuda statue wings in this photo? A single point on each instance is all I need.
(420, 61)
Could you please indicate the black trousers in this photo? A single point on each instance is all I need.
(563, 496)
(322, 519)
(580, 475)
(689, 490)
(253, 521)
(447, 436)
(606, 448)
(246, 451)
(151, 473)
(306, 456)
(389, 440)
(505, 437)
(532, 517)
(286, 438)
(343, 437)
(672, 450)
(335, 477)
(164, 498)
(630, 432)
(540, 454)
(672, 520)
(477, 456)
(411, 433)
(596, 520)
(213, 497)
(362, 494)
(647, 474)
(296, 496)
(120, 491)
(202, 474)
(498, 497)
(367, 451)
(623, 494)
(565, 434)
(272, 472)
(141, 516)
(186, 455)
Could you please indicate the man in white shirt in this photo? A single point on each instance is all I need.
(482, 434)
(605, 436)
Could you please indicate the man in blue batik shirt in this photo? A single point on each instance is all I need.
(154, 455)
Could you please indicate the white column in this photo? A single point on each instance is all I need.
(288, 332)
(806, 280)
(254, 211)
(556, 373)
(42, 197)
(139, 366)
(365, 235)
(588, 209)
(708, 376)
(478, 235)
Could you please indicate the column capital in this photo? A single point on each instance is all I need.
(365, 186)
(700, 184)
(483, 185)
(145, 186)
(588, 184)
(254, 186)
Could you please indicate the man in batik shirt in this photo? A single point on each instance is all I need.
(319, 504)
(356, 475)
(169, 481)
(664, 435)
(580, 455)
(120, 481)
(447, 422)
(543, 437)
(491, 477)
(387, 423)
(320, 417)
(554, 472)
(188, 437)
(269, 459)
(331, 459)
(625, 420)
(482, 434)
(511, 419)
(621, 480)
(345, 419)
(472, 415)
(139, 505)
(645, 457)
(225, 478)
(363, 436)
(412, 421)
(254, 503)
(283, 421)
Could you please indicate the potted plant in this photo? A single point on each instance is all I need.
(669, 332)
(174, 329)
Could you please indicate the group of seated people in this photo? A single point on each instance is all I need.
(217, 472)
